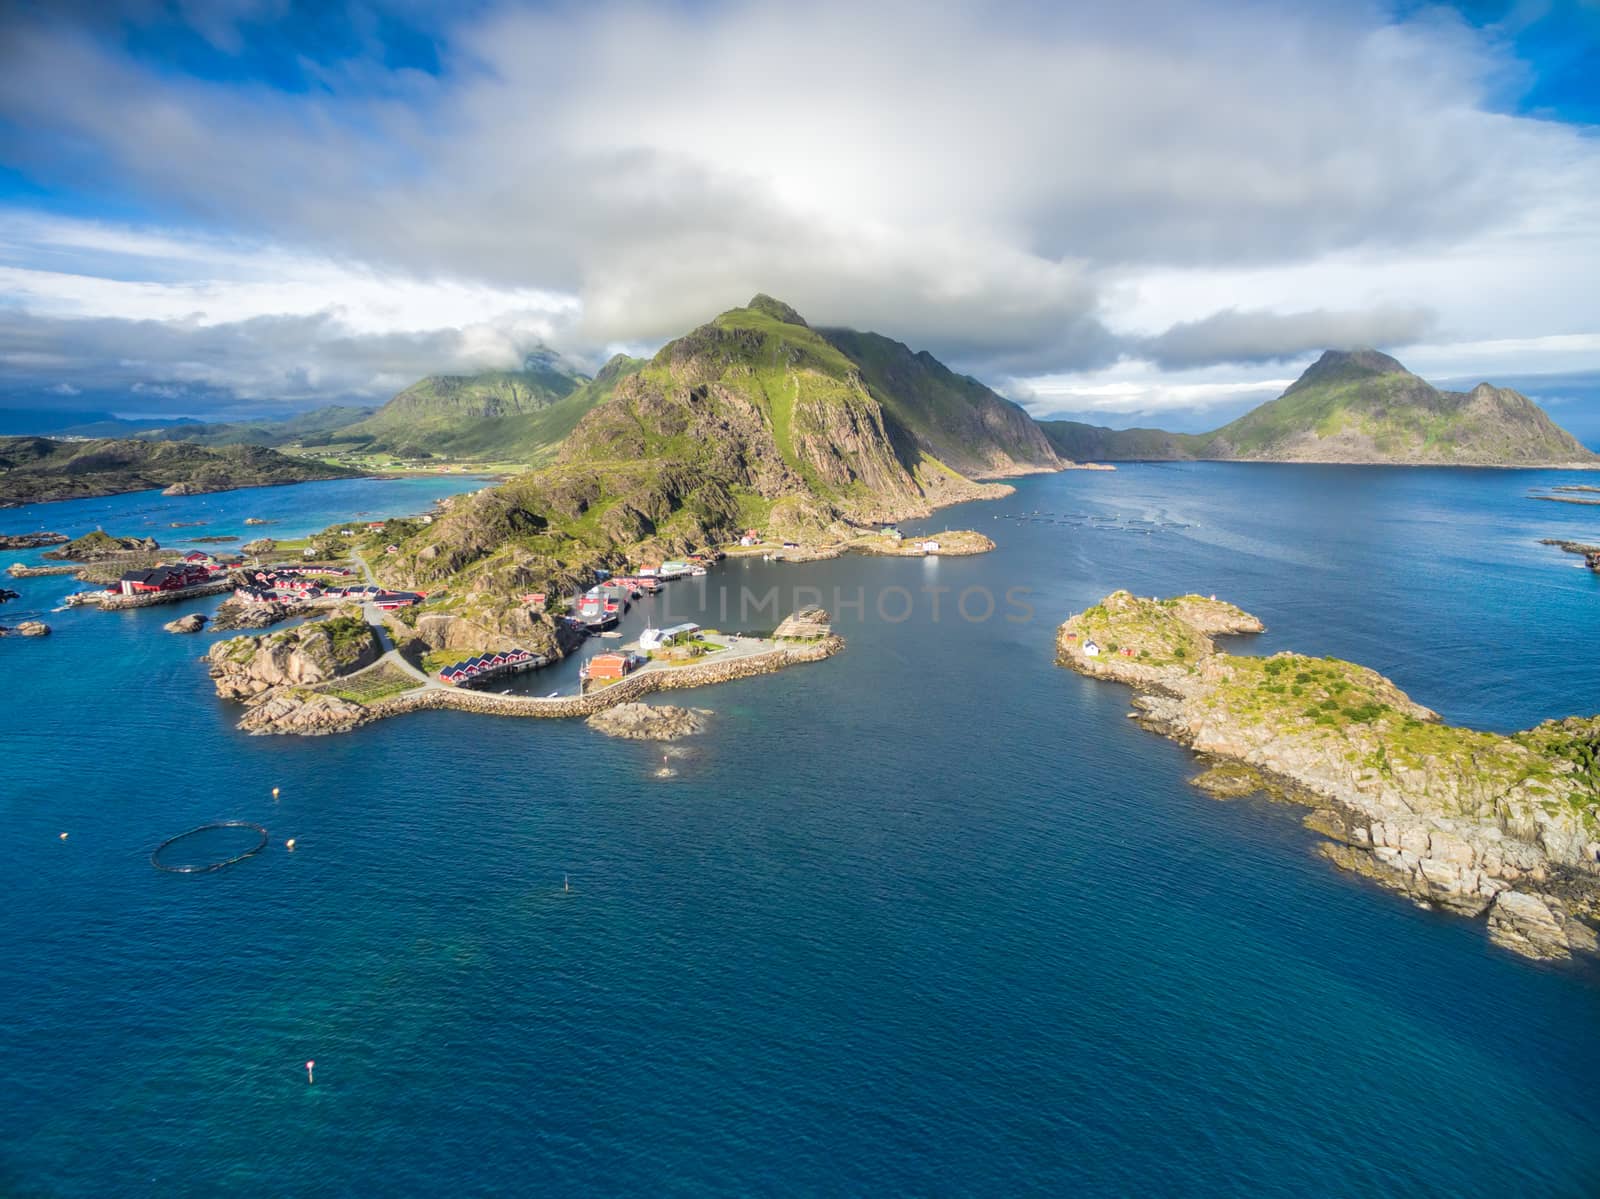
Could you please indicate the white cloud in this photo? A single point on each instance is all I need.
(1026, 190)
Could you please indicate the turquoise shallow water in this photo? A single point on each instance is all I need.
(930, 917)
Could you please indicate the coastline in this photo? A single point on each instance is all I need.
(1502, 828)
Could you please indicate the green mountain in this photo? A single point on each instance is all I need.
(1354, 406)
(754, 419)
(35, 469)
(508, 415)
(952, 417)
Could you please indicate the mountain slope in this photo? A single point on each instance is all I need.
(1355, 406)
(35, 469)
(951, 416)
(534, 435)
(427, 416)
(752, 419)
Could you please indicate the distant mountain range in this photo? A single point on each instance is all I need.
(1356, 406)
(36, 469)
(855, 421)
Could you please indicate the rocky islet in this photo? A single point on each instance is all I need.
(1502, 827)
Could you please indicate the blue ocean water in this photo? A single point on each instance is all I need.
(929, 917)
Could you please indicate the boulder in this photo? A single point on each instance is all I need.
(649, 722)
(304, 713)
(32, 628)
(1536, 926)
(236, 614)
(191, 623)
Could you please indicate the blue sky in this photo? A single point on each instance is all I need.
(1154, 212)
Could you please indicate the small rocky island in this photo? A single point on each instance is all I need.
(1504, 827)
(649, 722)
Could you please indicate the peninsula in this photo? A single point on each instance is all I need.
(1502, 827)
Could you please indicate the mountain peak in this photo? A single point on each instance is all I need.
(1347, 365)
(776, 309)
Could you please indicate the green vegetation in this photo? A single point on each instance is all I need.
(752, 420)
(504, 416)
(350, 636)
(1358, 406)
(1333, 716)
(952, 418)
(1155, 633)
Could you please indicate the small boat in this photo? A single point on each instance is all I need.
(611, 633)
(698, 572)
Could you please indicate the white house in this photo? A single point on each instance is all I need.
(930, 547)
(661, 638)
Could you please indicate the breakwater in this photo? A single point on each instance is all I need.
(313, 713)
(634, 687)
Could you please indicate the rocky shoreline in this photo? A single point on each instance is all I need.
(953, 543)
(1503, 828)
(649, 722)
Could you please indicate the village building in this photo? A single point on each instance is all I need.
(610, 666)
(163, 578)
(652, 639)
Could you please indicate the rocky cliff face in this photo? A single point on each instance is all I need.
(1485, 825)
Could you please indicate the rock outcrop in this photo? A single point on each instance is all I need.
(804, 625)
(1473, 822)
(30, 541)
(100, 546)
(28, 628)
(191, 623)
(244, 668)
(237, 614)
(304, 713)
(649, 722)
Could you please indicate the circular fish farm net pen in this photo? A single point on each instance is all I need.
(165, 858)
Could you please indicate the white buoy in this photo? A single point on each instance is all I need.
(63, 836)
(274, 793)
(309, 1076)
(289, 844)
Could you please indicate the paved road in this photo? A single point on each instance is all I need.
(374, 618)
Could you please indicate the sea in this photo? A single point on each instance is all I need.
(931, 917)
